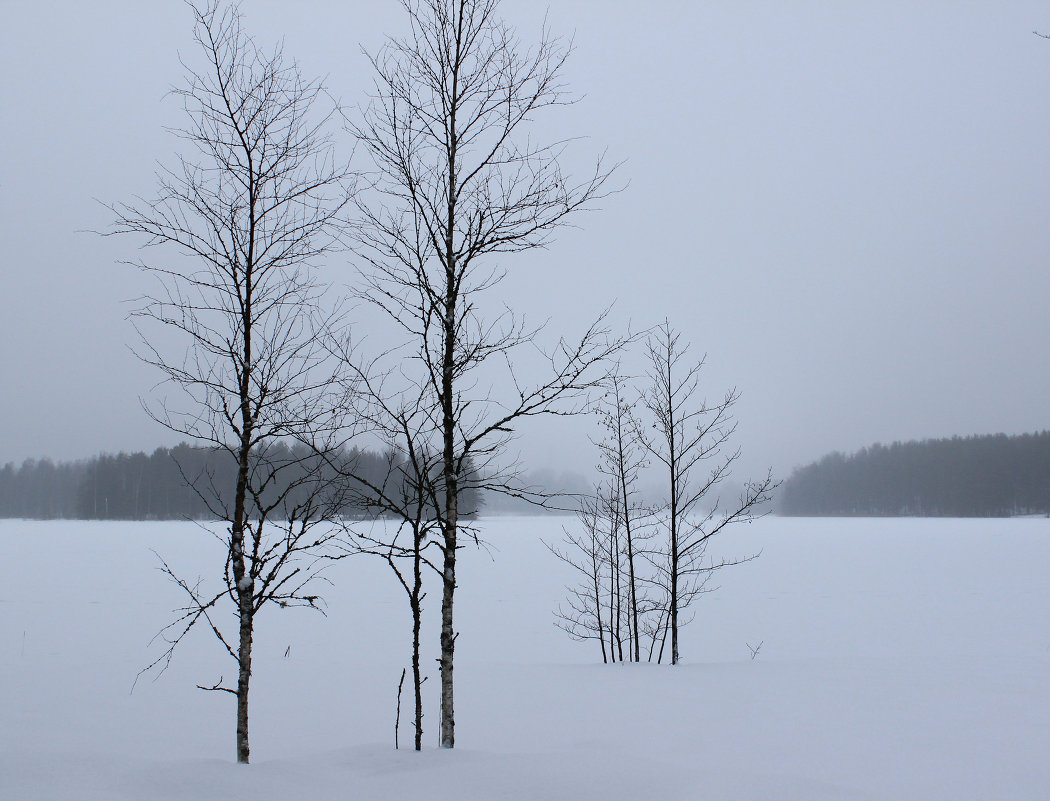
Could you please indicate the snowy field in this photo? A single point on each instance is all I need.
(902, 659)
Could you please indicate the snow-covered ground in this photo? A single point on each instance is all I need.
(902, 659)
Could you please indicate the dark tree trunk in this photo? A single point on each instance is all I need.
(244, 674)
(674, 604)
(450, 535)
(448, 645)
(632, 585)
(241, 570)
(675, 488)
(618, 590)
(245, 611)
(417, 614)
(448, 425)
(596, 576)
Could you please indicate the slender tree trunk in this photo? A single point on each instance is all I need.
(619, 591)
(448, 422)
(241, 571)
(674, 603)
(245, 597)
(635, 634)
(674, 578)
(451, 523)
(243, 586)
(448, 645)
(244, 673)
(596, 575)
(612, 600)
(450, 532)
(656, 635)
(397, 713)
(632, 588)
(417, 613)
(663, 642)
(673, 465)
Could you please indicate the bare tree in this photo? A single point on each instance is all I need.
(460, 180)
(404, 549)
(600, 605)
(586, 550)
(401, 501)
(240, 222)
(622, 457)
(691, 444)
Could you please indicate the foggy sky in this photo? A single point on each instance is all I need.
(844, 205)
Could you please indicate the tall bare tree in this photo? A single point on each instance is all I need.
(249, 208)
(460, 181)
(691, 444)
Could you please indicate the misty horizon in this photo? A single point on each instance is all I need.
(844, 211)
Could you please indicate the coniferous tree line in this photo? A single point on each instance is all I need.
(168, 484)
(40, 489)
(977, 476)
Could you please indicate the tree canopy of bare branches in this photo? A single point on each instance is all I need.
(253, 202)
(458, 180)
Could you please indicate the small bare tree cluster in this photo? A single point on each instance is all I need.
(612, 543)
(252, 204)
(659, 552)
(609, 603)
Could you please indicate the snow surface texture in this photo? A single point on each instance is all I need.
(902, 659)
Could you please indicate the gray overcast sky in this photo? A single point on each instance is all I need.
(845, 205)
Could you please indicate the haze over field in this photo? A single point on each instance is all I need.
(844, 206)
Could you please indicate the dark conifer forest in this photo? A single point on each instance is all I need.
(161, 485)
(977, 476)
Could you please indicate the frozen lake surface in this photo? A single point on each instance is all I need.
(902, 659)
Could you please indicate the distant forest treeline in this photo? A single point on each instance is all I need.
(979, 476)
(140, 486)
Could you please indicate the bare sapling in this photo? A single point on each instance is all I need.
(690, 443)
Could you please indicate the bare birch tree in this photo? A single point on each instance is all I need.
(585, 615)
(239, 223)
(460, 180)
(401, 502)
(601, 605)
(622, 457)
(401, 534)
(691, 444)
